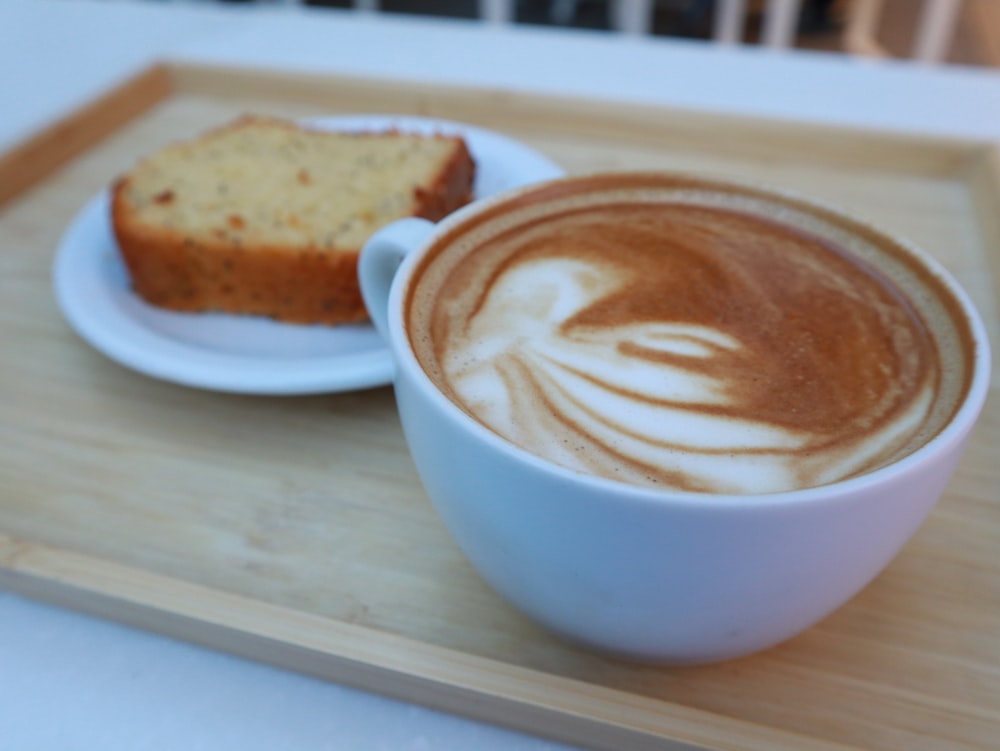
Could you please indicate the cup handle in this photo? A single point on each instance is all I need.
(380, 257)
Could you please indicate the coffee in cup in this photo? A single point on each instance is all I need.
(664, 332)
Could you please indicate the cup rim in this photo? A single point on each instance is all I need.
(954, 431)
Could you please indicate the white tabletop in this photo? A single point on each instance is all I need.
(72, 682)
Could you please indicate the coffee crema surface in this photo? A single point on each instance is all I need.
(680, 337)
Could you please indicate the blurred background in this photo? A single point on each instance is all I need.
(974, 40)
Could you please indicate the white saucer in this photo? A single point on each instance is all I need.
(246, 354)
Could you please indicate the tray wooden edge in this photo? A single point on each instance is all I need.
(843, 145)
(43, 153)
(390, 665)
(983, 178)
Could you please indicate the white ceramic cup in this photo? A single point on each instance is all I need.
(642, 573)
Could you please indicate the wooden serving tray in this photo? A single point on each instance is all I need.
(294, 530)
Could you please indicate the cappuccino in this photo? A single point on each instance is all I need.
(676, 333)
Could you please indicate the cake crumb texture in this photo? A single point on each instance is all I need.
(263, 216)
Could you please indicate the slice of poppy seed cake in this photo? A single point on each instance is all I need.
(263, 216)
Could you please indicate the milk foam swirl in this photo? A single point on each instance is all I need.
(694, 348)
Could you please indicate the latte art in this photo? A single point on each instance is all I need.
(691, 347)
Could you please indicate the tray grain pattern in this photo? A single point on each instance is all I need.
(294, 530)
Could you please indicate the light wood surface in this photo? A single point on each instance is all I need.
(294, 531)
